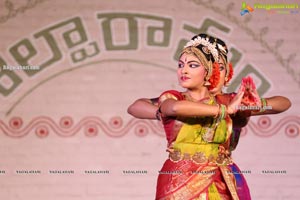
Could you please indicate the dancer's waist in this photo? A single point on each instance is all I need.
(221, 158)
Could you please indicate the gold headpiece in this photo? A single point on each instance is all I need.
(207, 48)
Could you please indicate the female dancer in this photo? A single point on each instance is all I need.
(197, 129)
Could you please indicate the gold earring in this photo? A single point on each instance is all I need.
(226, 82)
(207, 83)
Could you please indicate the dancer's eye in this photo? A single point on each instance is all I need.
(180, 65)
(221, 68)
(194, 65)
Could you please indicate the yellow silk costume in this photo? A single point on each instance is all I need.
(199, 157)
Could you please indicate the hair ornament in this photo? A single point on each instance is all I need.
(222, 48)
(204, 42)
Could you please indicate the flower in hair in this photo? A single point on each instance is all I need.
(205, 42)
(215, 77)
(229, 74)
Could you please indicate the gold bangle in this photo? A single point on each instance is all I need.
(263, 106)
(158, 114)
(218, 111)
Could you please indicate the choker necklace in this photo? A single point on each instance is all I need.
(203, 100)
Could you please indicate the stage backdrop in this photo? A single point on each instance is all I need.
(70, 69)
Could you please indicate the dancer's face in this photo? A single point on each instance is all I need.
(190, 72)
(218, 88)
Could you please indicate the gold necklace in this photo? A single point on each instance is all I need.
(203, 100)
